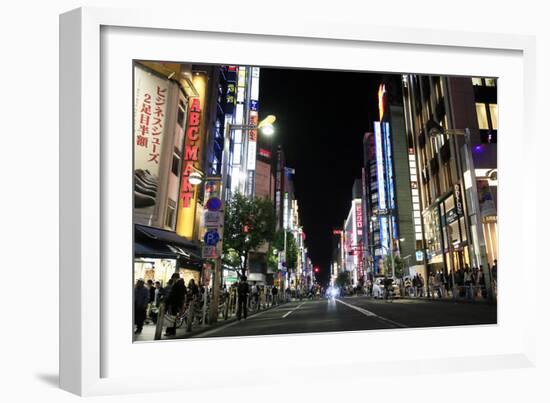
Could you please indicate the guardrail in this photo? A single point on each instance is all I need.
(197, 311)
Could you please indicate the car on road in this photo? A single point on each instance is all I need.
(332, 292)
(378, 288)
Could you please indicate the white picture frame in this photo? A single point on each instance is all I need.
(88, 327)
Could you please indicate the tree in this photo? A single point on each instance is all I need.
(342, 279)
(249, 222)
(398, 262)
(291, 255)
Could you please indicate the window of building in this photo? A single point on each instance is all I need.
(176, 162)
(493, 109)
(490, 82)
(170, 214)
(482, 116)
(477, 81)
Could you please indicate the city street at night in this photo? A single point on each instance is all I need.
(354, 313)
(249, 189)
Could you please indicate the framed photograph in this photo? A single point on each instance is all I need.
(328, 194)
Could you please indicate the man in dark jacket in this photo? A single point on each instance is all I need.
(242, 290)
(141, 299)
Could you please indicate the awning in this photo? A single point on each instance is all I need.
(154, 242)
(153, 251)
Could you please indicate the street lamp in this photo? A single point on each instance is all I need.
(196, 177)
(266, 127)
(467, 178)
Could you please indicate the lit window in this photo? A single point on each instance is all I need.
(482, 116)
(477, 81)
(493, 109)
(490, 82)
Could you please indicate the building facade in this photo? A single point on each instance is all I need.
(387, 189)
(452, 125)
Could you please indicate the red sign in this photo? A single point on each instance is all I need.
(191, 154)
(336, 232)
(265, 153)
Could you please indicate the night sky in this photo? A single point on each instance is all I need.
(321, 119)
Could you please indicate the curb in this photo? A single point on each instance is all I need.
(219, 323)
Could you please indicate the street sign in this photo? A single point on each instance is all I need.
(214, 204)
(419, 256)
(211, 238)
(213, 219)
(210, 252)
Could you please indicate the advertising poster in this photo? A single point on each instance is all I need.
(150, 99)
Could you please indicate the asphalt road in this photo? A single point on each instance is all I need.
(355, 313)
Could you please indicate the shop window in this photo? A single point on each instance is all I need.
(464, 236)
(477, 81)
(176, 162)
(181, 113)
(170, 214)
(482, 116)
(493, 109)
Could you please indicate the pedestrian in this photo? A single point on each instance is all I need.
(468, 283)
(175, 276)
(420, 285)
(141, 299)
(175, 301)
(431, 284)
(442, 283)
(274, 292)
(150, 304)
(242, 290)
(255, 294)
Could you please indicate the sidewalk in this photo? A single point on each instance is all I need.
(148, 332)
(476, 300)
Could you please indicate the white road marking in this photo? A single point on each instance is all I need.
(371, 314)
(216, 330)
(289, 312)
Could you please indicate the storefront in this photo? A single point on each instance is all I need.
(159, 253)
(446, 234)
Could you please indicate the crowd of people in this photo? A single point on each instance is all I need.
(176, 296)
(466, 283)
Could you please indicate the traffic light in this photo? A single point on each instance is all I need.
(316, 269)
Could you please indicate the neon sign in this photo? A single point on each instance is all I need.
(191, 154)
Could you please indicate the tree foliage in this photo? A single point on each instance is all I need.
(292, 252)
(342, 279)
(399, 265)
(249, 222)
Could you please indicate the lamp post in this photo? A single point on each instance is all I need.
(468, 178)
(266, 126)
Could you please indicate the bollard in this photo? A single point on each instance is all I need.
(160, 320)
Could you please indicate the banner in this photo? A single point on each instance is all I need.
(150, 105)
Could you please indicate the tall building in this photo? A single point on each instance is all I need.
(387, 190)
(172, 107)
(457, 178)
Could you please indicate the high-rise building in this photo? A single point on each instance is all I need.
(456, 173)
(387, 190)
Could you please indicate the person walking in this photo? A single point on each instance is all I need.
(420, 285)
(243, 290)
(141, 299)
(274, 294)
(468, 283)
(431, 284)
(175, 301)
